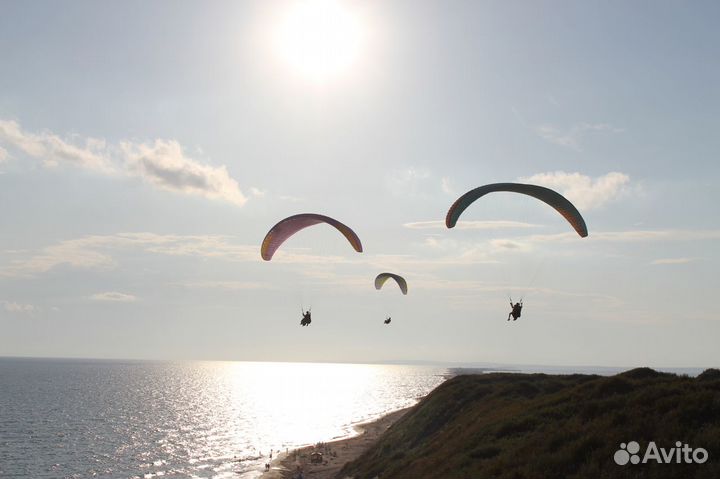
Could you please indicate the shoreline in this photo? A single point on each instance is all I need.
(336, 453)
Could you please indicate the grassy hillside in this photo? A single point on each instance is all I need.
(536, 426)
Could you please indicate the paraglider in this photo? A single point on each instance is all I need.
(552, 198)
(546, 195)
(383, 277)
(516, 310)
(292, 224)
(305, 321)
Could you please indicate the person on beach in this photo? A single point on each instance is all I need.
(516, 310)
(306, 318)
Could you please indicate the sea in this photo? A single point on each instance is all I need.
(79, 418)
(82, 418)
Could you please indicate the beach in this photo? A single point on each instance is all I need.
(335, 454)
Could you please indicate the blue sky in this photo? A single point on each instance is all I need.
(146, 149)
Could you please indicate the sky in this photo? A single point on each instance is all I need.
(146, 148)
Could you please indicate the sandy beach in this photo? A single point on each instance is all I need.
(335, 454)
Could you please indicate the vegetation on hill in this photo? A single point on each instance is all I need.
(535, 426)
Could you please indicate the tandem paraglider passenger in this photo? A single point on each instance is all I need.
(516, 310)
(306, 318)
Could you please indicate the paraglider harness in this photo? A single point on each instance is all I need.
(306, 317)
(516, 310)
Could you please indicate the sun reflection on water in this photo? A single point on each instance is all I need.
(191, 419)
(303, 403)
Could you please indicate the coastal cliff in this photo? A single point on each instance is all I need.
(536, 426)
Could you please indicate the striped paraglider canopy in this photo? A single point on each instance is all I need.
(292, 224)
(552, 198)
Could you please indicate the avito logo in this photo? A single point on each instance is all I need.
(680, 454)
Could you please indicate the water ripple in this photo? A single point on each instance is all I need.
(131, 419)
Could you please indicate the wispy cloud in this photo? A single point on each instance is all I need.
(407, 181)
(226, 285)
(509, 244)
(162, 163)
(98, 252)
(470, 225)
(114, 297)
(95, 252)
(257, 192)
(633, 236)
(53, 150)
(673, 260)
(527, 243)
(475, 287)
(438, 253)
(291, 199)
(572, 137)
(446, 186)
(439, 243)
(79, 254)
(585, 192)
(18, 308)
(446, 251)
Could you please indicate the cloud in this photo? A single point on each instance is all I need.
(75, 253)
(583, 191)
(406, 182)
(477, 253)
(96, 252)
(53, 150)
(508, 244)
(164, 165)
(3, 154)
(526, 243)
(93, 252)
(447, 187)
(291, 199)
(226, 285)
(296, 255)
(448, 253)
(18, 308)
(573, 136)
(440, 244)
(114, 296)
(470, 225)
(491, 250)
(257, 192)
(474, 287)
(161, 163)
(12, 134)
(673, 261)
(210, 246)
(632, 236)
(88, 253)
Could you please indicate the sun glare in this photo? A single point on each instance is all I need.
(320, 39)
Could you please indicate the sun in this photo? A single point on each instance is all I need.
(319, 39)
